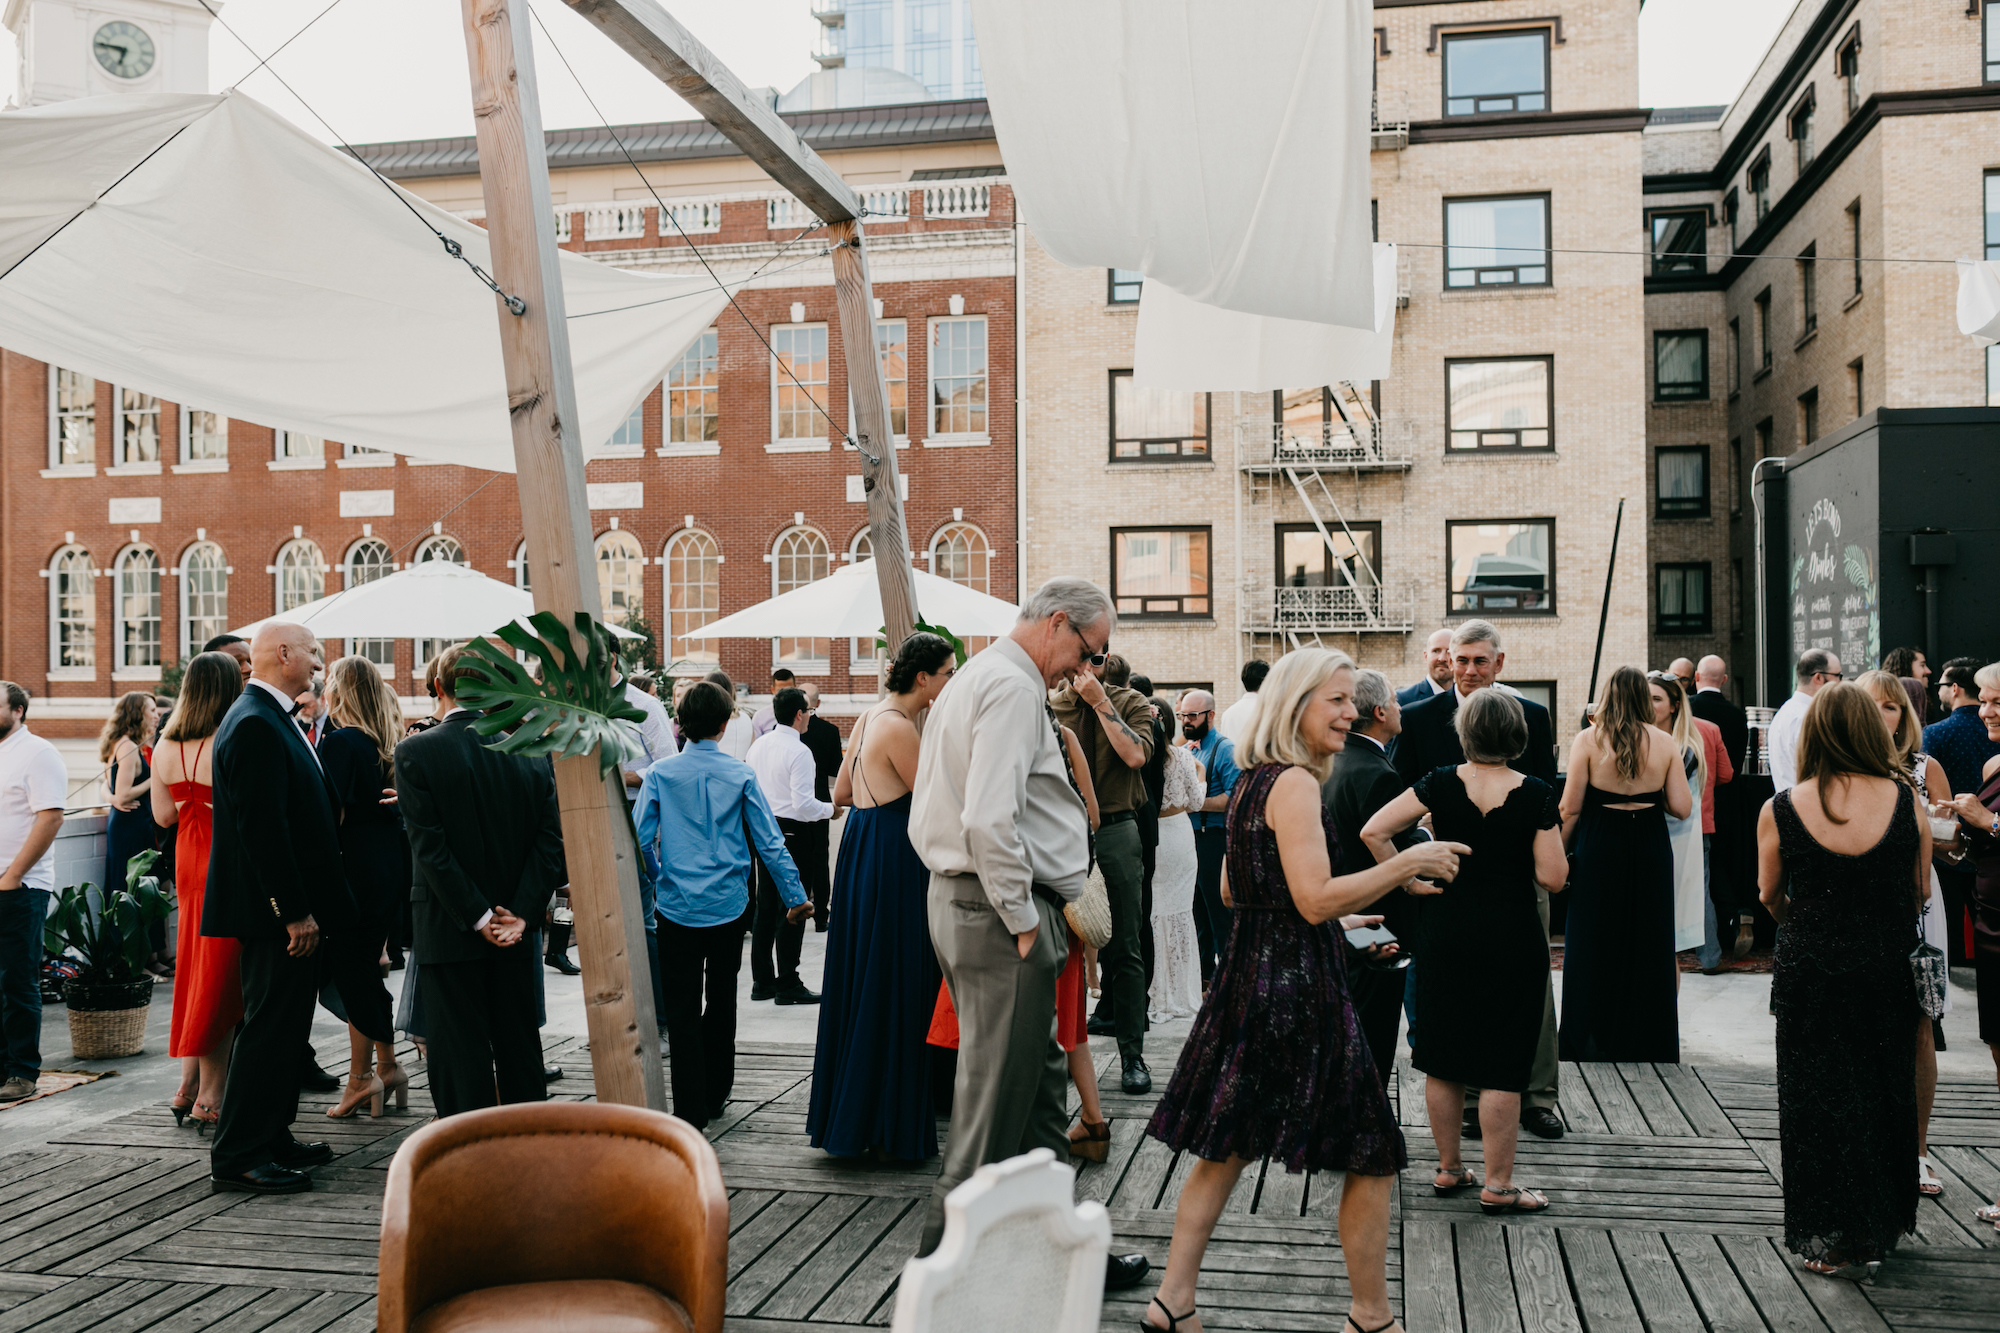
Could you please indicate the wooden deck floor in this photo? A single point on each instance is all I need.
(1667, 1217)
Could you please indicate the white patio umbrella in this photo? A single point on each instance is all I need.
(848, 603)
(437, 599)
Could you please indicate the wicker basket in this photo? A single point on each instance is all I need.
(106, 1022)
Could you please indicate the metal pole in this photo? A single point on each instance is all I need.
(1763, 616)
(1604, 614)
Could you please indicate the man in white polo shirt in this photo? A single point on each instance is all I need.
(32, 786)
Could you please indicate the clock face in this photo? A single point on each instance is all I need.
(123, 49)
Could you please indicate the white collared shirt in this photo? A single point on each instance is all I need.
(785, 770)
(32, 780)
(288, 705)
(1781, 743)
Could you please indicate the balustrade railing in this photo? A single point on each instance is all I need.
(958, 200)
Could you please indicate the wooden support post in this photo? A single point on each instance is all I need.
(671, 53)
(548, 461)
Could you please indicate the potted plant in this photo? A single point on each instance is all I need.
(107, 934)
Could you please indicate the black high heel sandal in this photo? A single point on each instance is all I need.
(1173, 1320)
(1381, 1329)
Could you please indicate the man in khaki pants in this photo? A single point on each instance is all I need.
(998, 820)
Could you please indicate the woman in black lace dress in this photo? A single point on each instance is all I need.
(1842, 864)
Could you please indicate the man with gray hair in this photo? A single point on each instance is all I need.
(1817, 668)
(999, 821)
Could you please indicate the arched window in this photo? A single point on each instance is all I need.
(621, 575)
(863, 548)
(204, 596)
(367, 560)
(438, 547)
(301, 574)
(960, 552)
(800, 556)
(72, 610)
(520, 567)
(138, 608)
(694, 597)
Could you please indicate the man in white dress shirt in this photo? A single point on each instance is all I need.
(1816, 669)
(785, 770)
(1234, 724)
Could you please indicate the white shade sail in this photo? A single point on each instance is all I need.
(1183, 344)
(848, 603)
(437, 599)
(1218, 147)
(1979, 300)
(207, 251)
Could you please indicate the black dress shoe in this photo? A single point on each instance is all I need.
(298, 1155)
(271, 1179)
(561, 963)
(1137, 1080)
(1101, 1027)
(1122, 1272)
(797, 994)
(1542, 1122)
(315, 1079)
(550, 1073)
(1470, 1129)
(767, 990)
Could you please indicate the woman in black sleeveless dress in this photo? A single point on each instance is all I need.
(1843, 990)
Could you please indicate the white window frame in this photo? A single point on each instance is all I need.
(374, 649)
(822, 663)
(189, 598)
(780, 379)
(934, 438)
(360, 455)
(121, 465)
(188, 462)
(317, 567)
(903, 435)
(707, 350)
(437, 546)
(519, 564)
(281, 461)
(944, 534)
(58, 669)
(862, 662)
(83, 467)
(122, 667)
(685, 663)
(636, 558)
(613, 447)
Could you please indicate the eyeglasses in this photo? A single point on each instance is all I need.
(1194, 717)
(1093, 655)
(1831, 675)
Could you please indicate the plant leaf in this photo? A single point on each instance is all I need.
(571, 711)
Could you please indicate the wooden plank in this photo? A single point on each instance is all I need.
(872, 1281)
(1323, 1194)
(1655, 1103)
(1485, 1284)
(1772, 1285)
(1602, 1299)
(202, 1315)
(1411, 1109)
(814, 1279)
(254, 1277)
(1098, 1180)
(1841, 1304)
(1718, 1292)
(92, 1313)
(1540, 1282)
(761, 1278)
(748, 1245)
(1704, 1115)
(262, 1312)
(1144, 1178)
(1283, 1193)
(1579, 1108)
(118, 1235)
(320, 1310)
(1430, 1278)
(1614, 1099)
(1656, 1284)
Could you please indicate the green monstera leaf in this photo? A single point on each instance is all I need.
(923, 627)
(572, 710)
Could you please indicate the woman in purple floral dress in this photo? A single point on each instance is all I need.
(1276, 1063)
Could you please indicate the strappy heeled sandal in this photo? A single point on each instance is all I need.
(1928, 1183)
(1989, 1213)
(1847, 1272)
(1462, 1178)
(1173, 1320)
(1517, 1201)
(1095, 1145)
(1384, 1328)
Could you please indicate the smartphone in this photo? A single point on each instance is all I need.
(1368, 937)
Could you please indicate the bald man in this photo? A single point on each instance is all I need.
(274, 880)
(1437, 671)
(1682, 670)
(1732, 876)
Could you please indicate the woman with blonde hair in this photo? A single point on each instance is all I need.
(208, 981)
(359, 755)
(1843, 865)
(1275, 1063)
(1672, 715)
(1619, 974)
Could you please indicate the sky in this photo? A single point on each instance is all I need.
(395, 69)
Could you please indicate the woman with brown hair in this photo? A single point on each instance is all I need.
(126, 747)
(1843, 866)
(208, 982)
(359, 755)
(1619, 974)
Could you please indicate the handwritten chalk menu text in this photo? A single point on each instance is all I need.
(1835, 593)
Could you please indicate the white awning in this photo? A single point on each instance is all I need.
(438, 599)
(848, 603)
(205, 250)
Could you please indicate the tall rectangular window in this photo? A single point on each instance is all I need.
(1680, 478)
(1680, 243)
(1764, 433)
(1758, 184)
(1848, 62)
(1992, 46)
(1156, 425)
(1492, 73)
(1123, 285)
(1506, 404)
(1500, 567)
(1306, 561)
(1680, 365)
(1683, 598)
(1497, 242)
(297, 444)
(1808, 417)
(1736, 596)
(1761, 309)
(798, 383)
(693, 390)
(1854, 370)
(1736, 475)
(1808, 290)
(72, 609)
(892, 346)
(1730, 212)
(138, 427)
(1854, 240)
(1735, 356)
(72, 418)
(958, 377)
(1800, 127)
(631, 432)
(1160, 573)
(1993, 215)
(205, 436)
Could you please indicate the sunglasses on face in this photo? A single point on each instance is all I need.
(1092, 656)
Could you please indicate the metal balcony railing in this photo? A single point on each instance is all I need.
(1368, 609)
(1376, 444)
(1388, 122)
(957, 201)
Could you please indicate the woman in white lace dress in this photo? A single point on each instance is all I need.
(1176, 989)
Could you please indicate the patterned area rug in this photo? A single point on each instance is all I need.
(54, 1081)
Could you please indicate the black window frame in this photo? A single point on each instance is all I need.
(1498, 612)
(1808, 262)
(1801, 114)
(1279, 530)
(1112, 284)
(1735, 595)
(1736, 475)
(1847, 64)
(1180, 454)
(1445, 42)
(1808, 404)
(1699, 391)
(1757, 184)
(1760, 305)
(1732, 208)
(1990, 67)
(1854, 242)
(1682, 622)
(1679, 263)
(1735, 354)
(1548, 242)
(1143, 615)
(1857, 378)
(1517, 447)
(1678, 508)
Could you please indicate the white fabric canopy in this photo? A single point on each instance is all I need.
(848, 603)
(1185, 345)
(438, 599)
(1218, 147)
(205, 250)
(1979, 300)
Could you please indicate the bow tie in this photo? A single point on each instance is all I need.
(294, 711)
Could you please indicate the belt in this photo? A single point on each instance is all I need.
(1049, 896)
(1116, 817)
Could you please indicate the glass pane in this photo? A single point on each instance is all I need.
(1303, 412)
(694, 596)
(1499, 64)
(1304, 560)
(631, 432)
(1680, 242)
(1683, 474)
(620, 573)
(1157, 564)
(1500, 567)
(1152, 414)
(799, 374)
(1494, 233)
(1993, 213)
(1126, 284)
(1498, 395)
(1680, 365)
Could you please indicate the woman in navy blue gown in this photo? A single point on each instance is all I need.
(871, 1087)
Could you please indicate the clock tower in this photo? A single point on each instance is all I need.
(87, 48)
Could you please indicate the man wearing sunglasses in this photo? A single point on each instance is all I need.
(1817, 668)
(1217, 757)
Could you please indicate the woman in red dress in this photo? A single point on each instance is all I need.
(208, 986)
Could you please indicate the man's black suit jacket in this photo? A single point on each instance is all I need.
(1430, 740)
(276, 856)
(1711, 706)
(484, 833)
(1416, 692)
(823, 739)
(1364, 780)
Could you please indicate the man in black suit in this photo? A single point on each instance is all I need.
(274, 882)
(1731, 890)
(1430, 741)
(1437, 672)
(1364, 780)
(486, 845)
(823, 739)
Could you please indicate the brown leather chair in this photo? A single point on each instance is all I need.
(554, 1215)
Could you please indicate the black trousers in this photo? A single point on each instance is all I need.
(1211, 918)
(1378, 997)
(1149, 848)
(816, 844)
(770, 933)
(261, 1098)
(698, 968)
(485, 1040)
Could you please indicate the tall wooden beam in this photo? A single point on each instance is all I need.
(548, 461)
(652, 37)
